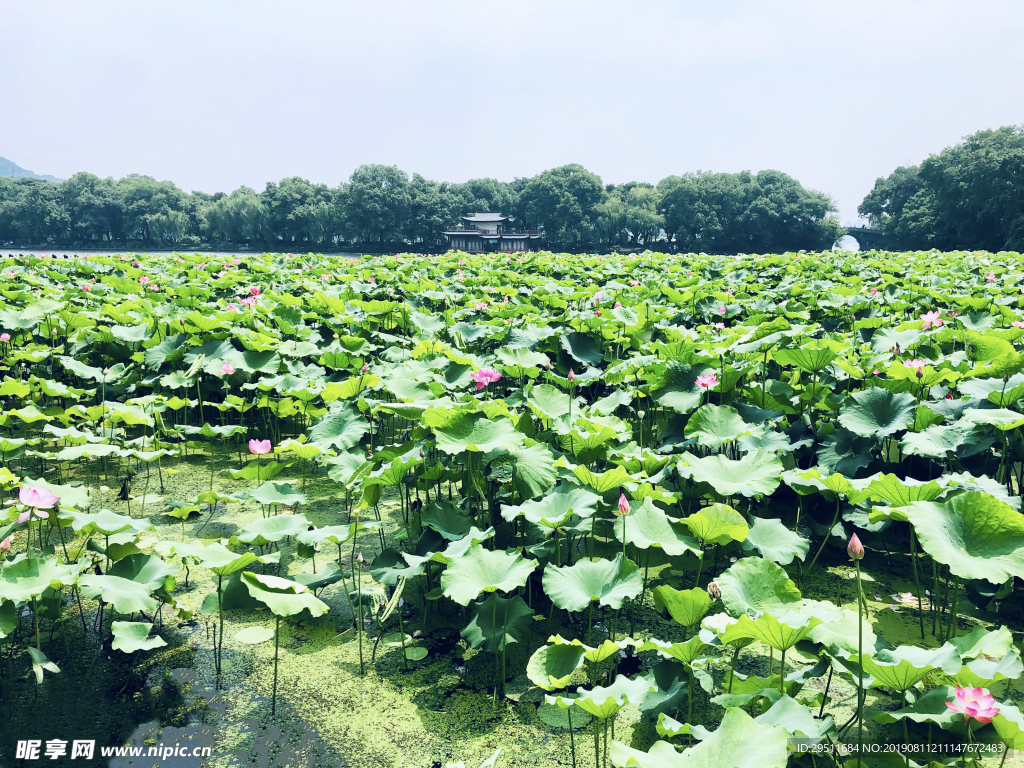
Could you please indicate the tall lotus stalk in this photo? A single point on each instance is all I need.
(856, 551)
(623, 512)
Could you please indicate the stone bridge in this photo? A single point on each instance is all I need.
(868, 239)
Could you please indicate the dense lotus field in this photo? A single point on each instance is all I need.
(516, 509)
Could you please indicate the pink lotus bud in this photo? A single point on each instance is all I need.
(5, 544)
(617, 305)
(254, 291)
(5, 337)
(623, 504)
(572, 375)
(259, 447)
(874, 291)
(855, 549)
(597, 313)
(359, 558)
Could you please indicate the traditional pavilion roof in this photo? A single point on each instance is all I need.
(482, 217)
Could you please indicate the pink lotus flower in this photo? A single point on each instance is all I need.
(720, 326)
(231, 308)
(634, 282)
(1015, 324)
(144, 280)
(5, 337)
(721, 310)
(481, 306)
(135, 263)
(623, 505)
(617, 305)
(259, 447)
(707, 380)
(461, 262)
(86, 288)
(974, 702)
(855, 549)
(729, 292)
(915, 363)
(227, 369)
(372, 281)
(990, 277)
(874, 291)
(249, 301)
(930, 319)
(254, 291)
(485, 376)
(598, 295)
(36, 497)
(458, 271)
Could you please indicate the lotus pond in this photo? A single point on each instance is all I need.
(514, 510)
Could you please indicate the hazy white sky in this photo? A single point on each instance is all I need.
(216, 94)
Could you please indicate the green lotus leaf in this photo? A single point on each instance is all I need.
(648, 526)
(555, 509)
(717, 524)
(269, 529)
(930, 708)
(277, 493)
(679, 390)
(1009, 724)
(548, 402)
(810, 359)
(902, 668)
(552, 666)
(739, 742)
(775, 541)
(1002, 419)
(843, 633)
(28, 578)
(796, 718)
(877, 412)
(336, 534)
(900, 493)
(125, 595)
(389, 566)
(603, 702)
(981, 641)
(753, 584)
(601, 483)
(481, 570)
(497, 622)
(106, 523)
(254, 635)
(607, 582)
(149, 570)
(131, 636)
(975, 534)
(757, 472)
(716, 425)
(475, 432)
(605, 650)
(686, 607)
(535, 471)
(445, 518)
(686, 652)
(40, 663)
(780, 634)
(341, 428)
(282, 596)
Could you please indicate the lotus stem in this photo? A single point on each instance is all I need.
(597, 744)
(860, 664)
(828, 533)
(572, 739)
(277, 634)
(951, 627)
(917, 581)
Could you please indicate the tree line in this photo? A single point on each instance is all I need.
(383, 207)
(967, 197)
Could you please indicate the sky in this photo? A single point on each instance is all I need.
(218, 94)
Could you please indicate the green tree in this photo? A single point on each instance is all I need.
(563, 202)
(94, 207)
(377, 204)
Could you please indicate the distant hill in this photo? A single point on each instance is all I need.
(10, 168)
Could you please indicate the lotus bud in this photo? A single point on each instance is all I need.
(365, 368)
(623, 504)
(920, 373)
(572, 375)
(641, 414)
(855, 549)
(714, 591)
(359, 558)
